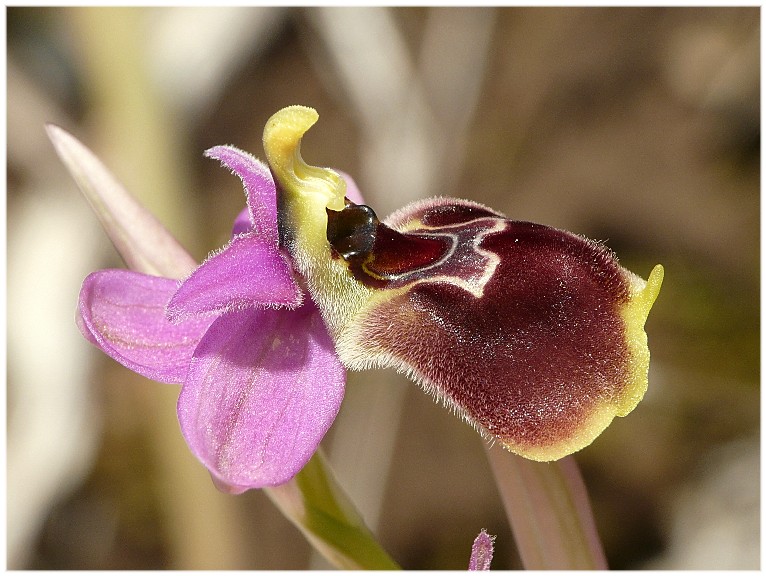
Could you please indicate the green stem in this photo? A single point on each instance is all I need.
(318, 506)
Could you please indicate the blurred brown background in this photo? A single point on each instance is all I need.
(639, 126)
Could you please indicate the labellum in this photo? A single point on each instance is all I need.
(533, 335)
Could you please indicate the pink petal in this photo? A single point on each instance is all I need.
(242, 223)
(249, 271)
(352, 190)
(263, 389)
(123, 313)
(259, 188)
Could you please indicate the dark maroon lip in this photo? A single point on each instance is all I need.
(517, 324)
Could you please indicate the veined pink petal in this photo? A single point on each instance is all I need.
(249, 272)
(123, 313)
(259, 188)
(263, 389)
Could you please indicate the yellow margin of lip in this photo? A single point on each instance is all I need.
(634, 315)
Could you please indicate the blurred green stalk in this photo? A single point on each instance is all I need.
(319, 507)
(550, 514)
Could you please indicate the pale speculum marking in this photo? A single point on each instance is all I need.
(380, 256)
(464, 264)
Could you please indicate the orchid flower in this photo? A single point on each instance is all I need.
(261, 381)
(533, 335)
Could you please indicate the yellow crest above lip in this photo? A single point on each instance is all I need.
(282, 144)
(304, 194)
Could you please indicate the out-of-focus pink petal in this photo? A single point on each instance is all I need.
(263, 388)
(352, 190)
(142, 241)
(242, 224)
(123, 313)
(249, 272)
(259, 188)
